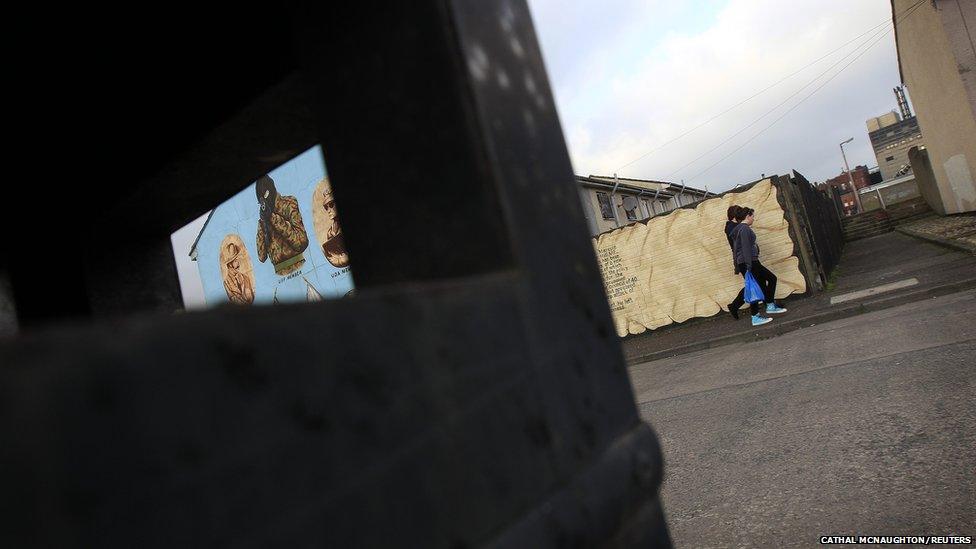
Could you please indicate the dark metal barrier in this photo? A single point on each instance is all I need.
(472, 393)
(825, 231)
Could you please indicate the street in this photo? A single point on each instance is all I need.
(865, 425)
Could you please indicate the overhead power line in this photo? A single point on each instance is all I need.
(901, 17)
(767, 88)
(788, 111)
(813, 80)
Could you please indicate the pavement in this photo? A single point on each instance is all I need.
(955, 231)
(859, 426)
(866, 266)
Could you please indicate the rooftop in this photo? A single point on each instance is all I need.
(650, 184)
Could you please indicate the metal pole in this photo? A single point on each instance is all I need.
(881, 200)
(857, 195)
(613, 203)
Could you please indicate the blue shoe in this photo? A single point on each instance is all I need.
(773, 309)
(759, 320)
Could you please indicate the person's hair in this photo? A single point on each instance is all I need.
(743, 213)
(733, 209)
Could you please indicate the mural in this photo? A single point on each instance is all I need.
(677, 266)
(281, 233)
(326, 221)
(236, 270)
(268, 218)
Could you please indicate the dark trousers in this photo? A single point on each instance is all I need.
(766, 280)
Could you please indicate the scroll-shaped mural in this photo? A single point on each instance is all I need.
(678, 266)
(258, 247)
(326, 221)
(236, 270)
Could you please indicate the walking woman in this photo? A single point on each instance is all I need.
(729, 225)
(746, 254)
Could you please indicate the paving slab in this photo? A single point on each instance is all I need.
(954, 231)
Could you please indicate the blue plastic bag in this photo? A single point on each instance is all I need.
(752, 293)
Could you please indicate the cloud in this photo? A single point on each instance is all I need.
(629, 76)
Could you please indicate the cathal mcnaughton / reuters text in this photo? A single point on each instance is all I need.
(897, 540)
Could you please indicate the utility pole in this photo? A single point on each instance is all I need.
(857, 195)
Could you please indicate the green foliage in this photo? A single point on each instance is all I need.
(832, 279)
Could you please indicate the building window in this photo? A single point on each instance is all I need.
(889, 159)
(630, 205)
(606, 208)
(648, 207)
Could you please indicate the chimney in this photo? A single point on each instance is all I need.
(902, 102)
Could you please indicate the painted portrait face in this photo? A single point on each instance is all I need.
(327, 227)
(233, 252)
(329, 205)
(265, 190)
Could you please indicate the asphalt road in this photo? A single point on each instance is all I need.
(862, 426)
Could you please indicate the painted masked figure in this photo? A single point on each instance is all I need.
(281, 233)
(334, 247)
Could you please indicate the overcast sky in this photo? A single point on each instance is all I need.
(631, 75)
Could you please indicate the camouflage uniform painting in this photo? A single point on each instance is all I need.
(281, 233)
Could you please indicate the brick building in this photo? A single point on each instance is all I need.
(862, 178)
